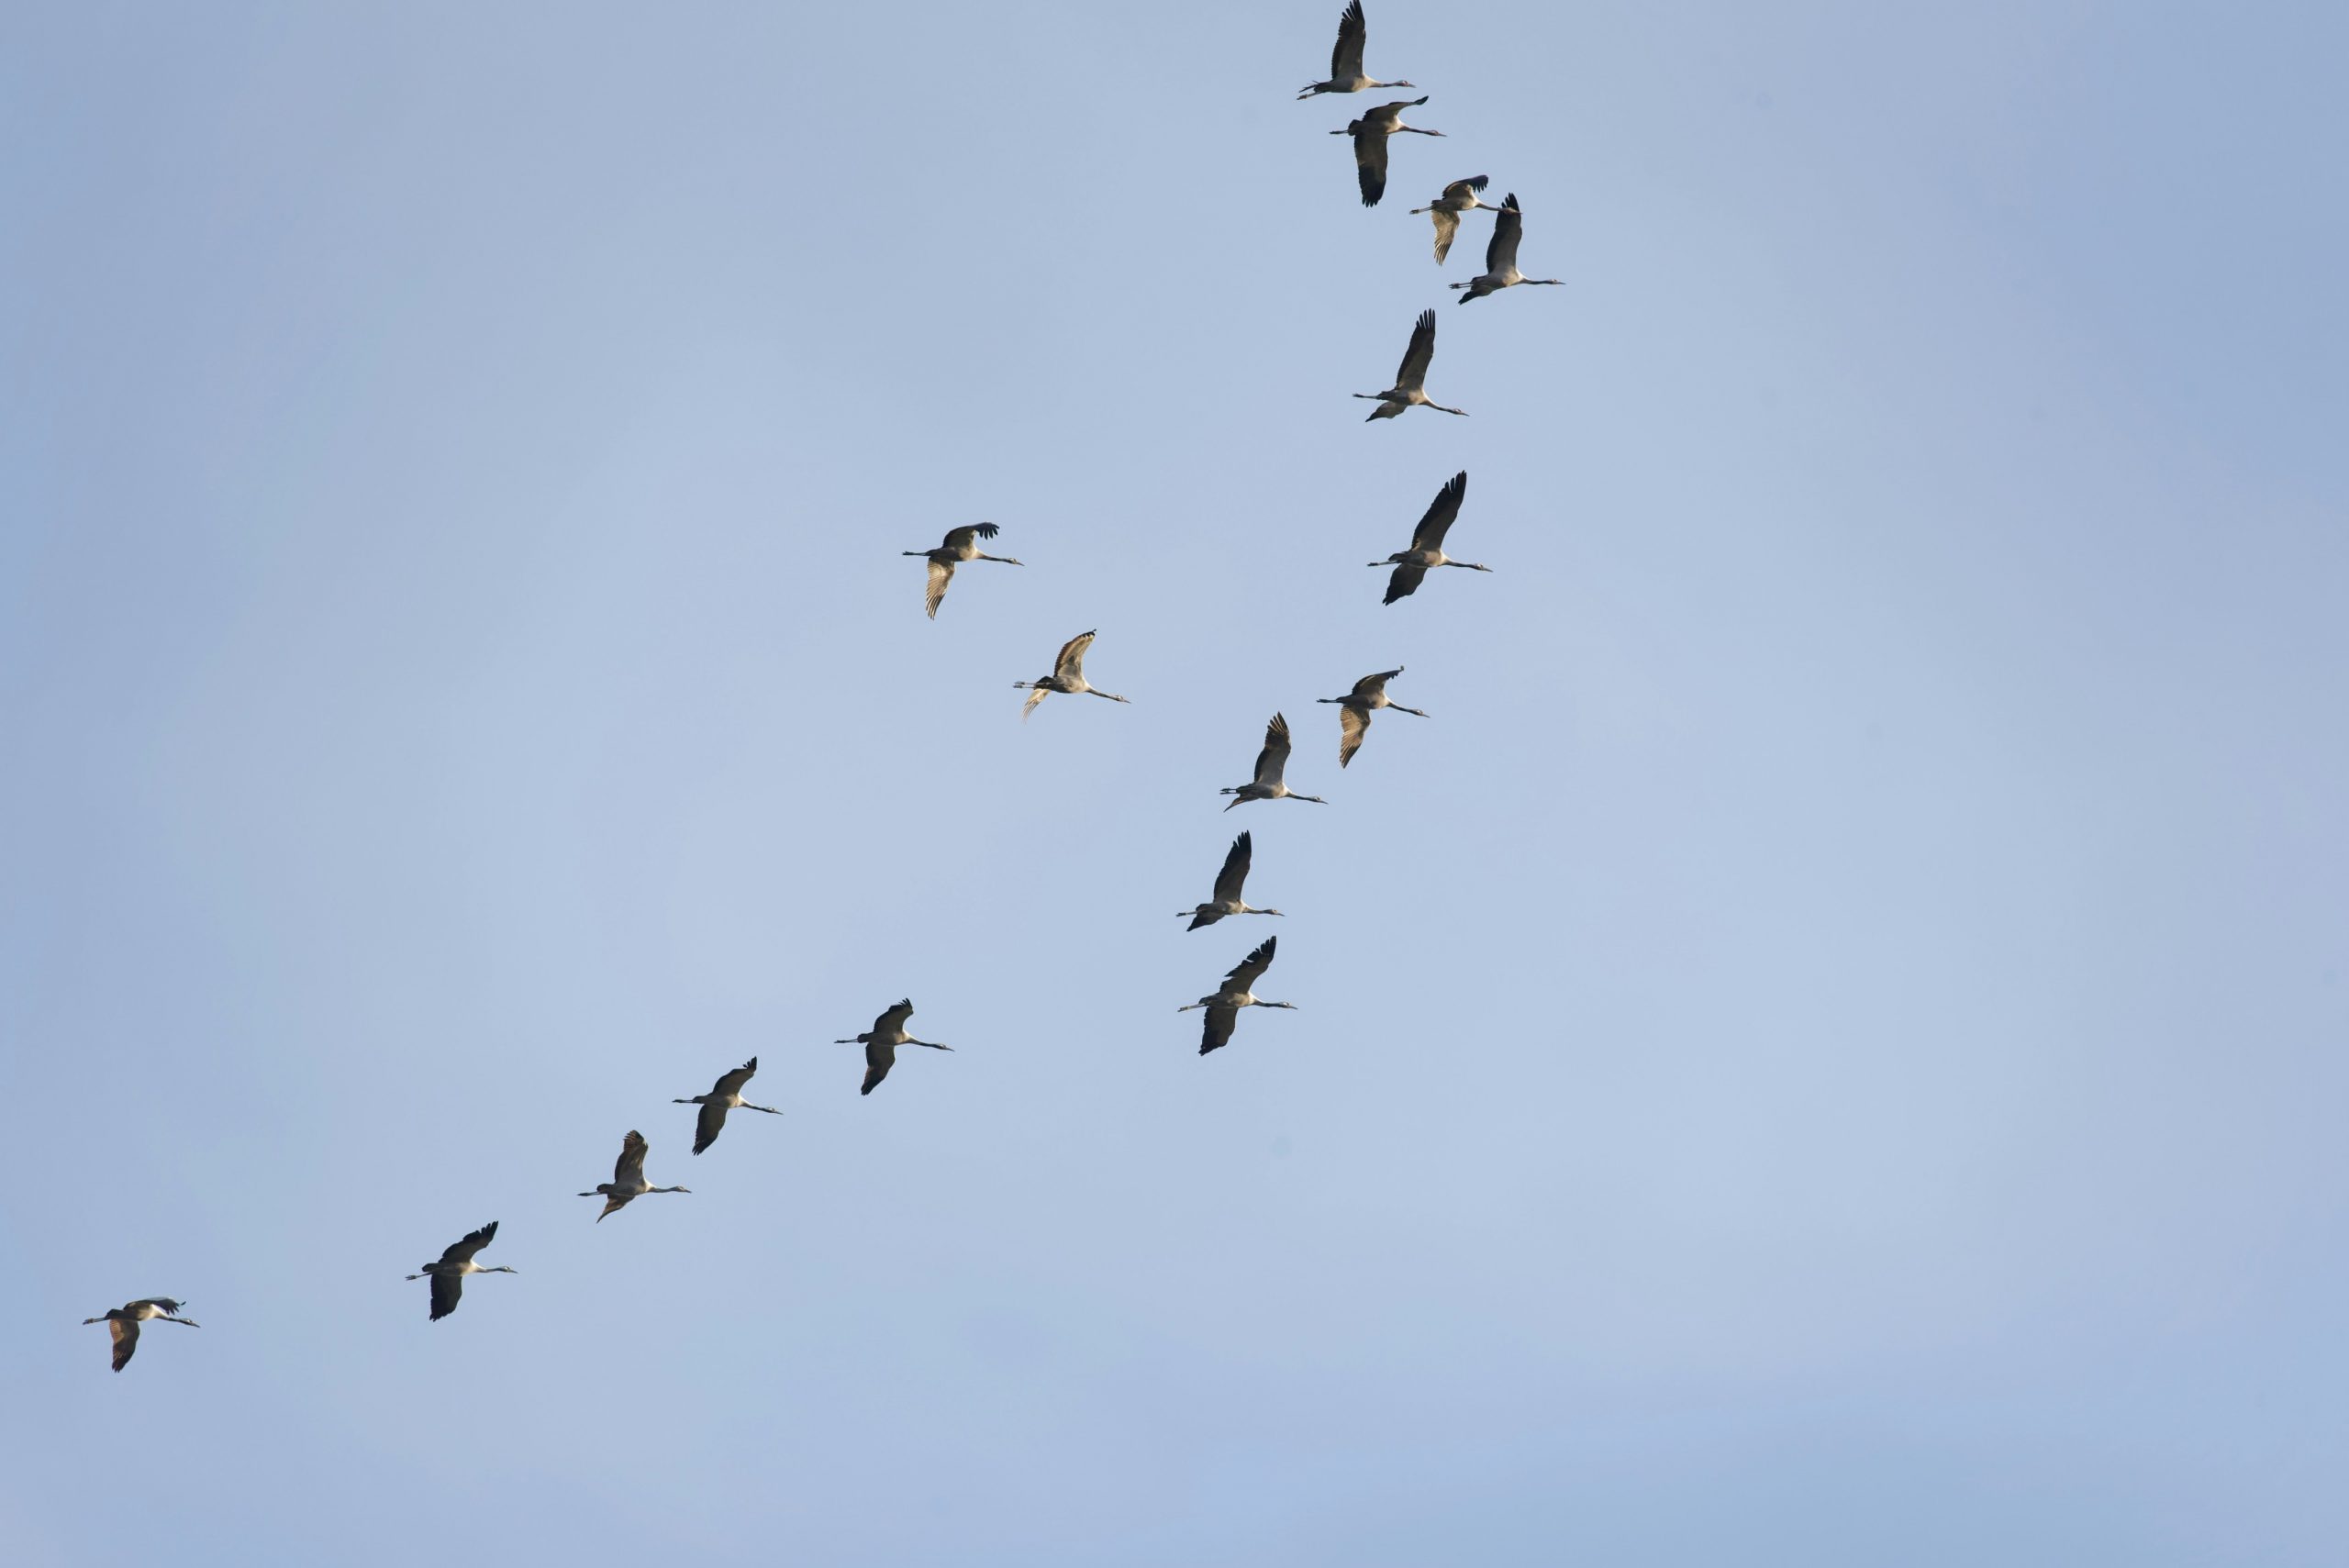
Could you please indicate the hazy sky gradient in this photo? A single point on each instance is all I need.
(1826, 1048)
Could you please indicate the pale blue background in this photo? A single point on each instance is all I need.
(1826, 1049)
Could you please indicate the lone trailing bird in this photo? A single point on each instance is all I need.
(1228, 883)
(1412, 565)
(1370, 133)
(1270, 763)
(1345, 60)
(1356, 707)
(448, 1274)
(724, 1096)
(881, 1042)
(1223, 1008)
(1459, 197)
(123, 1323)
(1500, 256)
(1409, 375)
(961, 544)
(1068, 675)
(628, 1178)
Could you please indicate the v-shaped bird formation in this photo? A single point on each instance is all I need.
(1372, 133)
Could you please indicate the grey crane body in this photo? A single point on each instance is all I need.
(1500, 256)
(1345, 60)
(447, 1271)
(1356, 707)
(1067, 676)
(1410, 377)
(1371, 131)
(881, 1042)
(961, 544)
(1459, 198)
(628, 1181)
(1228, 881)
(1411, 566)
(1238, 991)
(724, 1096)
(1272, 764)
(122, 1323)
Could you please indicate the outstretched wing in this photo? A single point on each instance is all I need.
(1247, 970)
(1413, 371)
(1370, 161)
(708, 1124)
(1352, 723)
(1447, 224)
(1440, 516)
(1070, 663)
(941, 574)
(1500, 254)
(894, 1020)
(1404, 583)
(125, 1341)
(462, 1252)
(1234, 875)
(629, 1170)
(1460, 190)
(446, 1290)
(1274, 759)
(879, 1057)
(959, 540)
(1218, 1032)
(1345, 60)
(1370, 686)
(731, 1083)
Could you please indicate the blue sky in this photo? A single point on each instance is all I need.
(1825, 1049)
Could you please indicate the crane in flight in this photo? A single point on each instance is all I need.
(1271, 763)
(1459, 197)
(628, 1178)
(961, 544)
(724, 1096)
(1356, 707)
(881, 1042)
(1228, 883)
(123, 1322)
(1412, 566)
(1500, 256)
(1237, 992)
(447, 1275)
(1345, 60)
(1068, 675)
(1410, 376)
(1371, 131)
